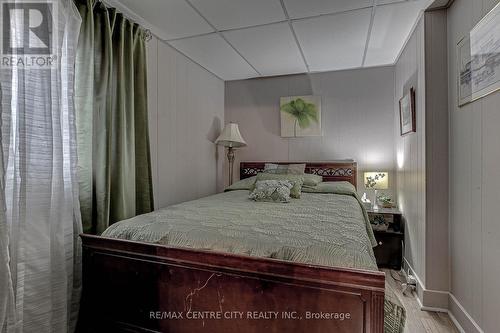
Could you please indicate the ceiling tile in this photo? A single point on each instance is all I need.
(230, 14)
(213, 53)
(392, 25)
(334, 42)
(301, 8)
(385, 2)
(175, 18)
(271, 48)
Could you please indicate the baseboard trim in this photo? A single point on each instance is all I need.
(460, 317)
(430, 308)
(444, 301)
(428, 299)
(455, 322)
(434, 299)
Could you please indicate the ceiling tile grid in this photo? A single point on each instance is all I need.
(234, 14)
(176, 18)
(386, 41)
(301, 8)
(217, 56)
(334, 42)
(271, 48)
(239, 39)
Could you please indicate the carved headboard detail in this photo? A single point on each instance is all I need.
(331, 171)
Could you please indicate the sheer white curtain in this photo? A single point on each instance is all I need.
(40, 276)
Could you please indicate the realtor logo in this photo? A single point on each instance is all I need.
(29, 33)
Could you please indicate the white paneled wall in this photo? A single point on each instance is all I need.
(422, 158)
(357, 118)
(410, 151)
(186, 112)
(437, 157)
(474, 189)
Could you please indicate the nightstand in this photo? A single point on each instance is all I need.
(389, 232)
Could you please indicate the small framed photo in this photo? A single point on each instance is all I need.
(407, 113)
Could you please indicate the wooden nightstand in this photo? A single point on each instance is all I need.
(389, 232)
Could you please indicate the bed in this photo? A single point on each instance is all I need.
(224, 263)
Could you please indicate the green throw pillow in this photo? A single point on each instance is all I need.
(331, 187)
(297, 182)
(311, 180)
(244, 184)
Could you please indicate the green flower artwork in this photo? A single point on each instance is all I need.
(300, 116)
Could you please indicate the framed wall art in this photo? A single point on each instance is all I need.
(464, 72)
(407, 115)
(478, 57)
(300, 116)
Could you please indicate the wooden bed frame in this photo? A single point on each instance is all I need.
(141, 287)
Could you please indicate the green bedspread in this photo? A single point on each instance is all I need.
(328, 229)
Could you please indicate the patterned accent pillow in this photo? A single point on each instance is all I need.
(311, 180)
(295, 179)
(285, 169)
(272, 191)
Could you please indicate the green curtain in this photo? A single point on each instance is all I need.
(111, 117)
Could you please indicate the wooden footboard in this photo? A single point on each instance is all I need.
(140, 287)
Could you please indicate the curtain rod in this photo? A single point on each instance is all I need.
(148, 35)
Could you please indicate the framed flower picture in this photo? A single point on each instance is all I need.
(300, 116)
(407, 114)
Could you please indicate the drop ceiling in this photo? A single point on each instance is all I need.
(239, 39)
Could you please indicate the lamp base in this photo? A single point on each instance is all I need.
(230, 158)
(375, 201)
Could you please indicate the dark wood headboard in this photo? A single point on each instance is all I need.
(331, 171)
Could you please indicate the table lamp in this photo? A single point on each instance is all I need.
(377, 181)
(231, 138)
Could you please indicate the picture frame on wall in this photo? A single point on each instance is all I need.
(300, 116)
(478, 59)
(407, 115)
(464, 72)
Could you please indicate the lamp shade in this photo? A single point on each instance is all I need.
(378, 180)
(231, 137)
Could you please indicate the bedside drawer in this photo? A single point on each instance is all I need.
(388, 252)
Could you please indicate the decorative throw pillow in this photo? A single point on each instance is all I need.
(288, 169)
(272, 191)
(244, 184)
(331, 187)
(311, 180)
(297, 181)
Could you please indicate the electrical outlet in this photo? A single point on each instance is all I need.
(411, 280)
(407, 288)
(404, 273)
